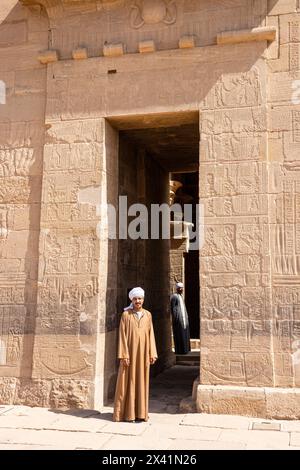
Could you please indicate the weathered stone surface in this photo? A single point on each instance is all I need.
(63, 282)
(146, 46)
(283, 403)
(264, 402)
(8, 390)
(80, 53)
(46, 57)
(113, 50)
(186, 42)
(247, 401)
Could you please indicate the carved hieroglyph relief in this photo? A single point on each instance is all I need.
(153, 12)
(11, 334)
(242, 89)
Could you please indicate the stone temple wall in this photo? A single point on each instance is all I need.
(71, 68)
(23, 34)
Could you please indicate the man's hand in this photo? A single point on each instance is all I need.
(125, 362)
(152, 360)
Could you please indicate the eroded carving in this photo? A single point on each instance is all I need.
(70, 394)
(241, 89)
(12, 322)
(153, 12)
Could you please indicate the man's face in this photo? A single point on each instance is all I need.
(179, 290)
(137, 302)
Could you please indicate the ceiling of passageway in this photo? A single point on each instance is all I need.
(176, 148)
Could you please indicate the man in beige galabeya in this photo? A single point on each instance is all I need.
(136, 351)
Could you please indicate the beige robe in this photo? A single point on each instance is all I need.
(137, 343)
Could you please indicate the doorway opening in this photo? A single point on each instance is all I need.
(154, 151)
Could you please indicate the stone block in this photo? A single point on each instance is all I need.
(273, 48)
(244, 401)
(80, 53)
(186, 42)
(265, 426)
(282, 7)
(283, 403)
(204, 399)
(282, 63)
(113, 50)
(147, 46)
(47, 57)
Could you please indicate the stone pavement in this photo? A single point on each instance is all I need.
(23, 427)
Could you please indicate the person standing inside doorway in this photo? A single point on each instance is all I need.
(180, 321)
(136, 351)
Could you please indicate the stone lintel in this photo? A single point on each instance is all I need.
(48, 56)
(260, 402)
(264, 33)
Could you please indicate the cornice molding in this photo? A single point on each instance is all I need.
(57, 8)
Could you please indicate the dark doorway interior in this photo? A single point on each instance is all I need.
(189, 193)
(150, 150)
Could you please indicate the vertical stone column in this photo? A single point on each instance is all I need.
(236, 340)
(76, 263)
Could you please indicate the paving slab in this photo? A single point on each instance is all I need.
(5, 408)
(182, 444)
(219, 421)
(273, 439)
(291, 426)
(72, 423)
(27, 447)
(20, 410)
(136, 443)
(295, 439)
(27, 422)
(266, 426)
(181, 432)
(166, 418)
(131, 429)
(57, 439)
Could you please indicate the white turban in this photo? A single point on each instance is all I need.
(136, 292)
(179, 284)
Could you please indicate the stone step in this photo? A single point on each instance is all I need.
(188, 363)
(191, 359)
(194, 342)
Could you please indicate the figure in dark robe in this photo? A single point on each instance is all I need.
(136, 351)
(180, 322)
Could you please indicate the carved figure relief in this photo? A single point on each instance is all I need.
(11, 335)
(3, 223)
(153, 12)
(14, 343)
(238, 90)
(16, 162)
(210, 183)
(6, 163)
